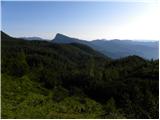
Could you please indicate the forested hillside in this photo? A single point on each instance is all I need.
(40, 79)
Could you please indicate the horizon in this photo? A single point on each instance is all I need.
(104, 39)
(82, 20)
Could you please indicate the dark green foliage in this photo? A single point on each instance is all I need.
(45, 80)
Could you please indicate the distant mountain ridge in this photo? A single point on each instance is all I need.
(116, 48)
(77, 48)
(113, 48)
(32, 38)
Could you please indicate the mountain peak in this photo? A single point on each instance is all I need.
(60, 36)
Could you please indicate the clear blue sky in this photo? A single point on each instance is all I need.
(85, 20)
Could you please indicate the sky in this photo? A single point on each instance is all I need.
(88, 20)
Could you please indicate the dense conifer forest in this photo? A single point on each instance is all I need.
(40, 79)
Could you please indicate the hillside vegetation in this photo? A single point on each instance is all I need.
(40, 79)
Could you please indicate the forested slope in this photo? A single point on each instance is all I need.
(46, 80)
